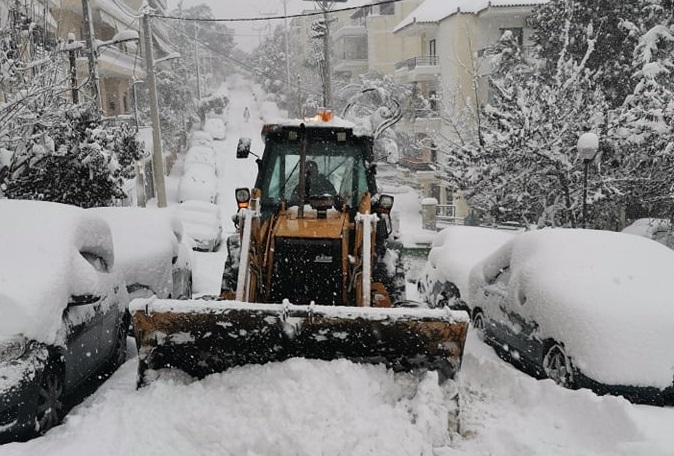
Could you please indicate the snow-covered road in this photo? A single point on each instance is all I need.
(303, 407)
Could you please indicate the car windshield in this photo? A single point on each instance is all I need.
(340, 163)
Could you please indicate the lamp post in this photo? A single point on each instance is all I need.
(587, 146)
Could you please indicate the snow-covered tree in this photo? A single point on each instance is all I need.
(527, 168)
(614, 41)
(641, 163)
(376, 102)
(73, 160)
(270, 68)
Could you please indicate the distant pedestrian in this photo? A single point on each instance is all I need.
(246, 114)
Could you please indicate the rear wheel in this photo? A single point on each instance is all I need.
(50, 406)
(557, 366)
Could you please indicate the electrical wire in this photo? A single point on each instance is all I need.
(289, 16)
(254, 70)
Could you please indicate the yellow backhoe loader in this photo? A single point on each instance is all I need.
(312, 272)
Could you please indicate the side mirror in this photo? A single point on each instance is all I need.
(243, 148)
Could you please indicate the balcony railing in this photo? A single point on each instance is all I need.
(412, 63)
(446, 213)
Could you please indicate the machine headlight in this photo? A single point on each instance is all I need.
(12, 348)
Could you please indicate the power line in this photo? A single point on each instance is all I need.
(251, 68)
(290, 16)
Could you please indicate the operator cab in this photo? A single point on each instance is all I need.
(336, 163)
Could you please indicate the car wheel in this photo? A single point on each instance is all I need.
(557, 366)
(50, 401)
(118, 355)
(478, 323)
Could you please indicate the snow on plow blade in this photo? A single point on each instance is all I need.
(204, 337)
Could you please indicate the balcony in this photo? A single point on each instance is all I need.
(418, 69)
(353, 67)
(113, 63)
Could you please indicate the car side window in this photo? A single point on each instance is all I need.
(97, 261)
(502, 277)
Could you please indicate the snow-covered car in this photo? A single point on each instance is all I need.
(660, 230)
(63, 311)
(202, 224)
(200, 138)
(215, 127)
(150, 251)
(585, 308)
(198, 182)
(443, 281)
(200, 155)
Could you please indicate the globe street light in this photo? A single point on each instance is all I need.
(587, 146)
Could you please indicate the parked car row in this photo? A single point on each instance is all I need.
(197, 194)
(199, 179)
(67, 277)
(585, 308)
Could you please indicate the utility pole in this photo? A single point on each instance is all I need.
(73, 69)
(196, 60)
(325, 6)
(327, 83)
(287, 45)
(91, 45)
(157, 157)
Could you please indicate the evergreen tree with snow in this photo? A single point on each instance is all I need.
(615, 41)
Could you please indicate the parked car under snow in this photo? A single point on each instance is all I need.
(443, 280)
(202, 224)
(200, 138)
(150, 251)
(63, 311)
(215, 127)
(660, 230)
(585, 308)
(198, 182)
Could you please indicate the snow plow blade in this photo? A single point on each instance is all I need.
(205, 337)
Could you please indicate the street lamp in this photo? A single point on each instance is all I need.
(587, 146)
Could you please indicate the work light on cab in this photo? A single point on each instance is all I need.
(385, 204)
(242, 197)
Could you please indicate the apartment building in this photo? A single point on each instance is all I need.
(449, 69)
(363, 40)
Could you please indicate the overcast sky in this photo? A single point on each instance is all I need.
(248, 34)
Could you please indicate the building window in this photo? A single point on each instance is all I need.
(433, 100)
(517, 32)
(387, 9)
(432, 52)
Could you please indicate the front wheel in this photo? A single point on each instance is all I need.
(50, 407)
(478, 323)
(557, 366)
